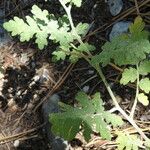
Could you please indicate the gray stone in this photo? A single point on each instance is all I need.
(51, 106)
(115, 6)
(16, 143)
(86, 88)
(119, 28)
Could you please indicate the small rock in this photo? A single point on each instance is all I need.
(119, 28)
(35, 96)
(30, 106)
(16, 143)
(48, 107)
(36, 78)
(90, 72)
(18, 93)
(44, 76)
(24, 58)
(86, 89)
(33, 64)
(115, 6)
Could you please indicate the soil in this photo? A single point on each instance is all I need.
(22, 63)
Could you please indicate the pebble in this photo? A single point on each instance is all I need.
(30, 106)
(36, 78)
(90, 72)
(16, 143)
(86, 88)
(115, 6)
(24, 58)
(45, 76)
(119, 28)
(33, 64)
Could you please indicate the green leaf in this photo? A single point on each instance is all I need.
(144, 67)
(85, 47)
(75, 2)
(90, 115)
(74, 58)
(82, 98)
(143, 99)
(42, 25)
(128, 75)
(125, 51)
(31, 27)
(39, 14)
(72, 128)
(96, 60)
(136, 29)
(128, 142)
(41, 39)
(16, 26)
(60, 55)
(129, 48)
(145, 85)
(137, 26)
(61, 52)
(62, 36)
(110, 119)
(82, 28)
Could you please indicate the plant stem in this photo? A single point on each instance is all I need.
(137, 93)
(117, 105)
(68, 12)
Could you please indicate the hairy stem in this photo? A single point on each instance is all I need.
(132, 122)
(68, 12)
(137, 93)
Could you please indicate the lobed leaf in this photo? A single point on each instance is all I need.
(85, 47)
(82, 28)
(137, 26)
(144, 67)
(90, 115)
(16, 26)
(128, 75)
(41, 39)
(145, 85)
(125, 51)
(26, 30)
(128, 142)
(75, 2)
(130, 48)
(142, 98)
(39, 14)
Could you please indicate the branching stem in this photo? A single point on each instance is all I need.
(68, 12)
(117, 105)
